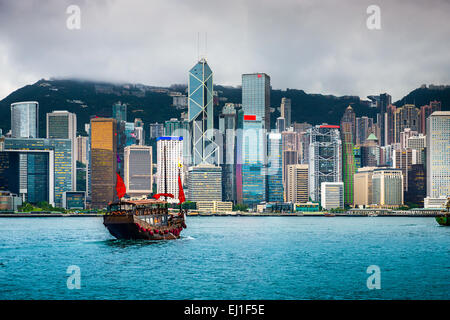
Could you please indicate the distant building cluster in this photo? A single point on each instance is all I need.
(400, 158)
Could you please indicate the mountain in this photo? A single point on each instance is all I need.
(154, 104)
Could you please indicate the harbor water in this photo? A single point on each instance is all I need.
(228, 258)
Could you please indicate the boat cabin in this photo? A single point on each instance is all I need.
(138, 207)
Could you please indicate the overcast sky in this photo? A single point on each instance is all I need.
(320, 46)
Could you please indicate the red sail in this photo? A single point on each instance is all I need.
(181, 196)
(120, 187)
(158, 195)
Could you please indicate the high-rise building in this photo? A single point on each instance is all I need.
(139, 131)
(348, 160)
(256, 96)
(25, 119)
(205, 183)
(332, 195)
(138, 170)
(370, 152)
(103, 161)
(416, 185)
(297, 183)
(385, 100)
(363, 125)
(180, 128)
(274, 168)
(405, 135)
(63, 125)
(58, 159)
(281, 124)
(325, 154)
(250, 160)
(403, 159)
(82, 144)
(406, 116)
(286, 111)
(156, 130)
(363, 187)
(387, 187)
(418, 143)
(426, 111)
(438, 154)
(119, 111)
(169, 157)
(389, 120)
(201, 114)
(9, 171)
(228, 126)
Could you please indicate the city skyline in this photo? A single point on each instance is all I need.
(348, 59)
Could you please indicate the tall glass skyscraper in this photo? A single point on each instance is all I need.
(348, 160)
(25, 119)
(227, 127)
(201, 114)
(274, 168)
(250, 166)
(256, 96)
(119, 111)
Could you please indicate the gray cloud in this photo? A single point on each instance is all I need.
(317, 46)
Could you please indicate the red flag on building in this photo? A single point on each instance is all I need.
(159, 195)
(181, 196)
(120, 187)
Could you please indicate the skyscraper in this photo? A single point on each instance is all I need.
(325, 150)
(348, 160)
(256, 96)
(384, 101)
(156, 130)
(228, 126)
(274, 168)
(286, 111)
(25, 119)
(362, 195)
(63, 125)
(387, 187)
(205, 183)
(201, 114)
(297, 183)
(332, 195)
(363, 125)
(179, 128)
(169, 156)
(406, 116)
(438, 154)
(389, 120)
(426, 111)
(138, 170)
(119, 111)
(103, 161)
(250, 158)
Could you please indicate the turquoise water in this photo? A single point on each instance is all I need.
(228, 258)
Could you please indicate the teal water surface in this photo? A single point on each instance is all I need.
(228, 258)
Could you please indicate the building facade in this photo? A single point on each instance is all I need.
(332, 195)
(256, 96)
(205, 183)
(25, 119)
(138, 170)
(169, 157)
(387, 188)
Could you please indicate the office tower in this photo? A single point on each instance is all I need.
(389, 135)
(357, 156)
(139, 131)
(403, 159)
(250, 160)
(348, 161)
(332, 195)
(129, 135)
(370, 152)
(201, 114)
(63, 125)
(180, 128)
(256, 96)
(405, 135)
(228, 126)
(169, 156)
(103, 161)
(325, 150)
(281, 124)
(205, 183)
(82, 144)
(438, 154)
(426, 111)
(119, 111)
(418, 143)
(274, 168)
(406, 116)
(74, 200)
(297, 183)
(25, 119)
(291, 147)
(387, 187)
(363, 125)
(385, 100)
(286, 111)
(362, 195)
(59, 160)
(156, 130)
(9, 172)
(301, 127)
(138, 170)
(416, 185)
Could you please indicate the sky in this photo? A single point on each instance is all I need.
(318, 46)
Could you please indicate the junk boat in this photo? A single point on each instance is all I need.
(146, 218)
(443, 218)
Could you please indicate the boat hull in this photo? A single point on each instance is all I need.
(131, 227)
(443, 220)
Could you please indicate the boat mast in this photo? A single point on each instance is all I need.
(165, 173)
